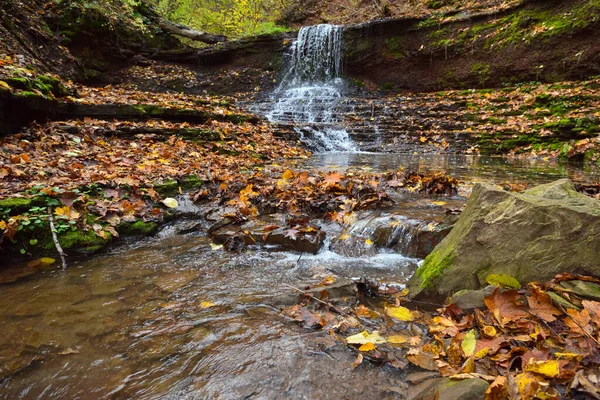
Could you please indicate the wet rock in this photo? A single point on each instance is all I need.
(418, 377)
(448, 389)
(305, 240)
(410, 237)
(531, 236)
(353, 247)
(469, 300)
(176, 280)
(342, 288)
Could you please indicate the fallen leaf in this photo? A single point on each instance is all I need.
(400, 313)
(549, 368)
(367, 347)
(170, 202)
(358, 361)
(468, 343)
(503, 280)
(365, 337)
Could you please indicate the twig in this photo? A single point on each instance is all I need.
(55, 239)
(579, 325)
(332, 308)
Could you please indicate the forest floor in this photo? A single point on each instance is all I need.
(114, 167)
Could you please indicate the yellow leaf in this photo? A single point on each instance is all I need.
(468, 343)
(367, 347)
(47, 260)
(344, 236)
(423, 139)
(482, 353)
(548, 368)
(503, 280)
(207, 304)
(401, 313)
(365, 337)
(369, 242)
(170, 202)
(62, 211)
(489, 331)
(287, 175)
(214, 246)
(397, 339)
(438, 203)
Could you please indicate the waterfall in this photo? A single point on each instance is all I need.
(310, 94)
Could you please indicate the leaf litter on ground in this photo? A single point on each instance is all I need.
(524, 343)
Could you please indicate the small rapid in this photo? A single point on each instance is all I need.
(311, 93)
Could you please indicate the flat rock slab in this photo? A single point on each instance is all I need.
(531, 236)
(306, 240)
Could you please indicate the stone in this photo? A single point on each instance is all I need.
(531, 236)
(253, 233)
(469, 300)
(409, 237)
(448, 389)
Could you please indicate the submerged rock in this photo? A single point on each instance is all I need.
(448, 389)
(531, 236)
(307, 239)
(409, 237)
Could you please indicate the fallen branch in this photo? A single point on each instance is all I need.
(55, 239)
(331, 307)
(187, 32)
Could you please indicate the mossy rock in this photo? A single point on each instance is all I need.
(19, 83)
(5, 87)
(17, 205)
(54, 85)
(521, 235)
(191, 182)
(30, 95)
(138, 228)
(167, 188)
(81, 240)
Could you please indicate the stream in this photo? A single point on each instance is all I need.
(169, 317)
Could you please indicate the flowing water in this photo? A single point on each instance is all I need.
(311, 92)
(169, 317)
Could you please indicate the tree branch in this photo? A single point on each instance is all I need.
(182, 30)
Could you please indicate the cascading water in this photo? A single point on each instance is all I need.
(311, 90)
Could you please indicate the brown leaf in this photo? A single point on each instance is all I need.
(421, 359)
(540, 304)
(505, 305)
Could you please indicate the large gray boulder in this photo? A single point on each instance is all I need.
(531, 236)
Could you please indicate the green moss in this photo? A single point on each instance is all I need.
(167, 188)
(19, 83)
(394, 47)
(29, 95)
(482, 70)
(433, 266)
(17, 205)
(496, 121)
(81, 239)
(54, 85)
(191, 182)
(138, 228)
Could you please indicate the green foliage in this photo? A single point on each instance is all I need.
(104, 16)
(233, 18)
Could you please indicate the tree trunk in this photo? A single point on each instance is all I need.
(182, 30)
